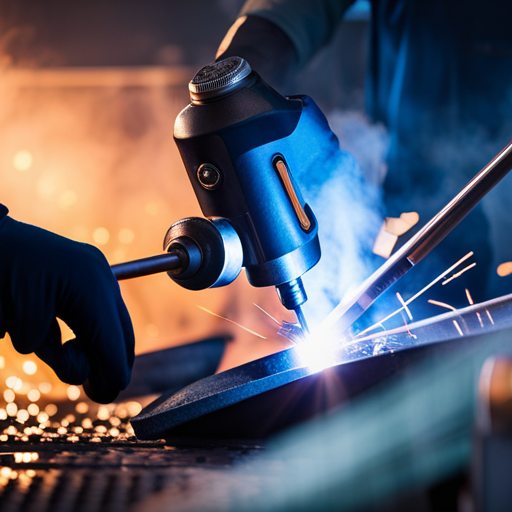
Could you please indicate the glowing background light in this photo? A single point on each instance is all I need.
(44, 387)
(23, 415)
(22, 160)
(11, 409)
(73, 393)
(67, 199)
(504, 269)
(34, 395)
(82, 407)
(29, 367)
(151, 208)
(103, 413)
(51, 409)
(126, 236)
(9, 395)
(101, 236)
(33, 409)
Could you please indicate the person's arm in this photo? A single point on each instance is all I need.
(43, 277)
(278, 37)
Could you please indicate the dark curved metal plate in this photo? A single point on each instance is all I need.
(259, 398)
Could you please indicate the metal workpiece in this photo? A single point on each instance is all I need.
(287, 385)
(346, 313)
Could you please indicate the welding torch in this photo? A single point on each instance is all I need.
(410, 254)
(241, 143)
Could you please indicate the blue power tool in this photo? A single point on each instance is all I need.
(240, 141)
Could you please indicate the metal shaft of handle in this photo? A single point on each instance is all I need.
(147, 266)
(346, 313)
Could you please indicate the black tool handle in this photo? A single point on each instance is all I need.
(147, 266)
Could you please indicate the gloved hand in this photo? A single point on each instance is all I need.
(44, 276)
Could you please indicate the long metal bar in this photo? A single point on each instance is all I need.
(346, 313)
(147, 266)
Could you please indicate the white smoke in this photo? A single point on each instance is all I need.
(347, 204)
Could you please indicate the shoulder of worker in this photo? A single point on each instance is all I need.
(309, 24)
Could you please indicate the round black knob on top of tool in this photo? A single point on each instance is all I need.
(219, 79)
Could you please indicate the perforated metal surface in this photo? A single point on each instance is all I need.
(79, 478)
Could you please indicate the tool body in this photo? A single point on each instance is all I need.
(240, 141)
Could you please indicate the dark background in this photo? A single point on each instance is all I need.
(113, 33)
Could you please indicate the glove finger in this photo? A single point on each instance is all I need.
(113, 360)
(69, 361)
(95, 311)
(29, 333)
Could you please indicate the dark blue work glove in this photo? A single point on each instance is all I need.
(44, 276)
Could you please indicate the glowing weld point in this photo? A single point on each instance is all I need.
(442, 304)
(404, 305)
(489, 316)
(458, 274)
(316, 354)
(232, 321)
(457, 326)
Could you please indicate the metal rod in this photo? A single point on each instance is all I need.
(346, 313)
(147, 266)
(301, 319)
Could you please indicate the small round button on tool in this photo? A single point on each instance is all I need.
(209, 176)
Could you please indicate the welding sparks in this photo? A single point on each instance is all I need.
(458, 274)
(421, 292)
(489, 316)
(267, 313)
(232, 322)
(404, 305)
(457, 326)
(471, 302)
(505, 269)
(441, 304)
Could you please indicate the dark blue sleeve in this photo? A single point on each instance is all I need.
(3, 213)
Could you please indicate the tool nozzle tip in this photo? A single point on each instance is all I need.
(302, 319)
